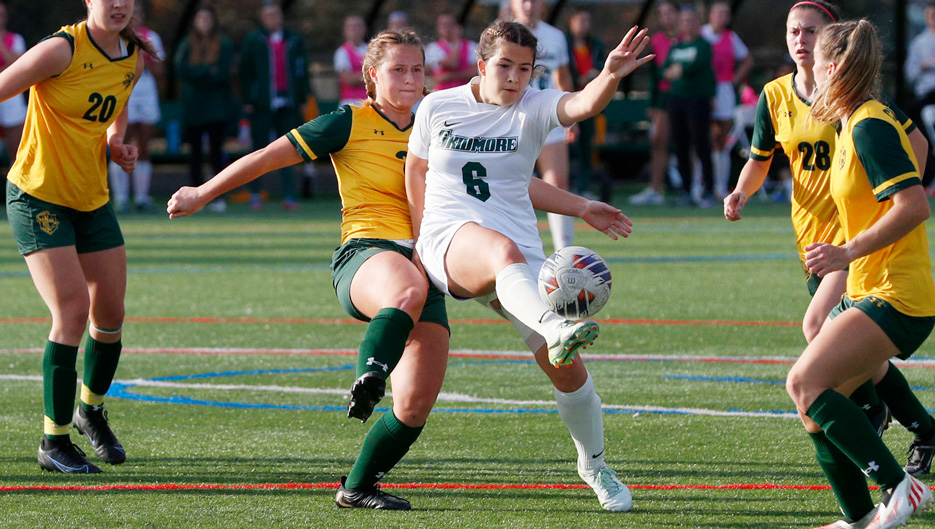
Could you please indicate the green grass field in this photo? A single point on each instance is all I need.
(215, 301)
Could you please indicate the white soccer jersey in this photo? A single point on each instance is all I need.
(553, 53)
(480, 161)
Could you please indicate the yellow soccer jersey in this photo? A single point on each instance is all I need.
(369, 156)
(62, 157)
(782, 120)
(872, 160)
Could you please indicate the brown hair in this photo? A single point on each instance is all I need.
(505, 31)
(205, 49)
(828, 11)
(376, 54)
(855, 48)
(134, 38)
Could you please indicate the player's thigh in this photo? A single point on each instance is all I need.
(417, 379)
(846, 353)
(64, 291)
(474, 258)
(106, 274)
(388, 279)
(827, 294)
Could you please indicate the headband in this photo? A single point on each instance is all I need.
(819, 6)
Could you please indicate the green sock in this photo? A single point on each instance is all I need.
(384, 342)
(59, 380)
(907, 409)
(100, 365)
(847, 481)
(386, 443)
(848, 428)
(866, 396)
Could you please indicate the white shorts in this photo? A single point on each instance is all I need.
(13, 111)
(725, 99)
(433, 246)
(556, 135)
(143, 105)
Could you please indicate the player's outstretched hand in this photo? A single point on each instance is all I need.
(124, 155)
(623, 59)
(733, 203)
(822, 258)
(184, 202)
(607, 219)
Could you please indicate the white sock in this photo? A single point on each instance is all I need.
(581, 412)
(141, 179)
(119, 184)
(563, 230)
(518, 293)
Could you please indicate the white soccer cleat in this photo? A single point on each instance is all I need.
(909, 497)
(569, 337)
(613, 495)
(863, 523)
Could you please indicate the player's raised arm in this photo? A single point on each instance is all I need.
(188, 200)
(595, 96)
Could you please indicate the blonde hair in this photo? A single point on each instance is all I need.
(855, 48)
(376, 54)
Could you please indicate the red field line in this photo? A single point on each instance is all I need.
(410, 486)
(478, 321)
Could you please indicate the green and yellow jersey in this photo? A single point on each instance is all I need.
(782, 121)
(872, 160)
(368, 152)
(62, 156)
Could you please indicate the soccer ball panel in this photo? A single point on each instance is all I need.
(575, 282)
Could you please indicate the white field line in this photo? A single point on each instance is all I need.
(442, 397)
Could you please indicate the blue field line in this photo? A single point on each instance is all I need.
(123, 390)
(747, 380)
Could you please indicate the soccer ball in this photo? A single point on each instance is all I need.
(575, 282)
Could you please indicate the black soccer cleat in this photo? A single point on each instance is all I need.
(920, 456)
(372, 498)
(63, 456)
(365, 394)
(880, 418)
(93, 425)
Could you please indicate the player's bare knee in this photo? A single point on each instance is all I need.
(414, 408)
(810, 328)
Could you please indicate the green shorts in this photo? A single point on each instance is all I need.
(906, 332)
(39, 225)
(350, 256)
(811, 281)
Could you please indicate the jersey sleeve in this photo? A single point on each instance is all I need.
(543, 106)
(342, 63)
(740, 49)
(420, 139)
(901, 117)
(764, 136)
(886, 162)
(323, 135)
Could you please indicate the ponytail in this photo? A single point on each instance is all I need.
(855, 48)
(134, 38)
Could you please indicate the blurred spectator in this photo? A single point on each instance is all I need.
(274, 84)
(142, 115)
(732, 62)
(349, 61)
(397, 21)
(203, 62)
(586, 59)
(689, 69)
(451, 58)
(661, 42)
(13, 110)
(920, 71)
(553, 59)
